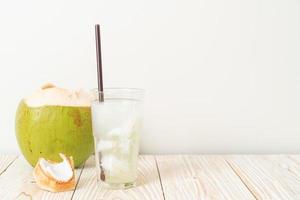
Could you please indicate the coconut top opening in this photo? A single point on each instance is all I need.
(59, 171)
(50, 95)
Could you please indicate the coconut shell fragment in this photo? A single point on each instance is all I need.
(53, 176)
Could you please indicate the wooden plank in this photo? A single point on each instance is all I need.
(295, 158)
(148, 184)
(17, 182)
(268, 176)
(6, 161)
(200, 177)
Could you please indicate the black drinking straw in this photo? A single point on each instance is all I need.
(100, 84)
(99, 62)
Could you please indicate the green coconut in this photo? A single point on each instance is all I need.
(54, 121)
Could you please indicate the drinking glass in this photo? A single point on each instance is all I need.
(116, 121)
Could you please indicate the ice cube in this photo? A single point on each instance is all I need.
(124, 145)
(105, 145)
(115, 132)
(125, 130)
(113, 165)
(128, 127)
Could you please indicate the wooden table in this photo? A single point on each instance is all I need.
(169, 177)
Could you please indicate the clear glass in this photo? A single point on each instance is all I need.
(117, 122)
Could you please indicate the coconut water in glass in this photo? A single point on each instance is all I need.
(116, 123)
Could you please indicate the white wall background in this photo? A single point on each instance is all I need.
(221, 75)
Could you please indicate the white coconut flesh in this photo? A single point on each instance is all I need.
(59, 171)
(50, 95)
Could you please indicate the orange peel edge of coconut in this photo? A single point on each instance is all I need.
(47, 182)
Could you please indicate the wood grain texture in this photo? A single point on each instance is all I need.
(263, 177)
(6, 161)
(148, 184)
(269, 176)
(17, 182)
(200, 177)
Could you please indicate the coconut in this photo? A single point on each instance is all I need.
(54, 120)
